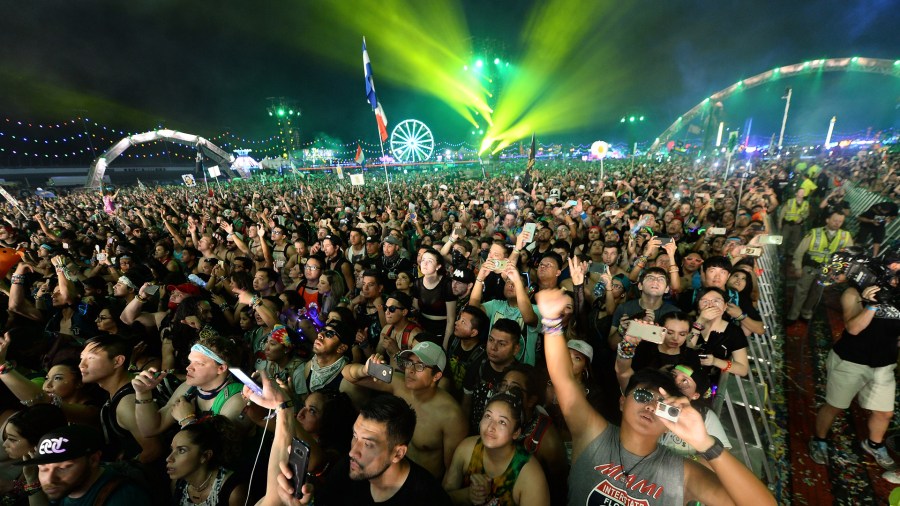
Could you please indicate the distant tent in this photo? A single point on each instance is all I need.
(243, 164)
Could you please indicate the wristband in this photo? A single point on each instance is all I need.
(144, 401)
(185, 419)
(872, 308)
(698, 326)
(741, 318)
(284, 405)
(142, 298)
(7, 366)
(626, 350)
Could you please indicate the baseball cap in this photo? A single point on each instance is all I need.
(429, 353)
(372, 239)
(402, 298)
(344, 332)
(392, 240)
(581, 347)
(463, 275)
(66, 443)
(185, 288)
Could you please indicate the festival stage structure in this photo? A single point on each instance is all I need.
(854, 64)
(219, 156)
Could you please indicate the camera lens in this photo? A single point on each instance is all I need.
(673, 411)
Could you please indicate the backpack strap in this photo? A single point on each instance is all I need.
(108, 488)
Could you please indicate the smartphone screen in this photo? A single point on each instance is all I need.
(241, 375)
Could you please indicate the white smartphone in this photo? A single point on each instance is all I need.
(750, 251)
(717, 231)
(241, 375)
(529, 229)
(150, 290)
(771, 239)
(646, 331)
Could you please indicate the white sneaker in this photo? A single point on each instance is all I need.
(881, 455)
(892, 477)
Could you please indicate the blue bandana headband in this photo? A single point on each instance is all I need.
(199, 348)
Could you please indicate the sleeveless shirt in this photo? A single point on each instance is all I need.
(501, 486)
(597, 476)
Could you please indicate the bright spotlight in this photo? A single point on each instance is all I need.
(641, 118)
(479, 63)
(622, 120)
(631, 119)
(496, 61)
(466, 67)
(281, 112)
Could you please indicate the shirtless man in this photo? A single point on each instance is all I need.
(440, 425)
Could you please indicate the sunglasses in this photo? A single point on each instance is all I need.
(329, 333)
(644, 396)
(391, 309)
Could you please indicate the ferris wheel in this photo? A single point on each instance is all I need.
(411, 141)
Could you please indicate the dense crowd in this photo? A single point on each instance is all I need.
(527, 338)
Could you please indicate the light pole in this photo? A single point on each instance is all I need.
(787, 107)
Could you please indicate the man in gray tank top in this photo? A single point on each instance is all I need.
(612, 466)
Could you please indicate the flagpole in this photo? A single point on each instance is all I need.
(387, 178)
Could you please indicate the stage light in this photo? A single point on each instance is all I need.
(641, 118)
(631, 119)
(622, 120)
(291, 112)
(479, 63)
(854, 59)
(466, 68)
(281, 112)
(496, 61)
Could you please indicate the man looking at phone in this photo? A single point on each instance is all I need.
(441, 424)
(516, 307)
(650, 307)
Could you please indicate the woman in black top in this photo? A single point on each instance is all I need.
(435, 299)
(721, 344)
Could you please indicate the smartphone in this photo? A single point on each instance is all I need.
(529, 229)
(460, 230)
(195, 279)
(717, 231)
(152, 289)
(381, 372)
(298, 461)
(571, 203)
(500, 265)
(609, 194)
(750, 251)
(241, 375)
(646, 331)
(101, 257)
(771, 239)
(664, 240)
(65, 245)
(597, 267)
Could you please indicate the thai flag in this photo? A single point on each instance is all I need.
(380, 118)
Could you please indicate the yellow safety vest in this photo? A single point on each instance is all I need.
(821, 249)
(794, 214)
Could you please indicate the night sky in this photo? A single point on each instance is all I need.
(206, 67)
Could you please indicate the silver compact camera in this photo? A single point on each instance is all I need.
(670, 413)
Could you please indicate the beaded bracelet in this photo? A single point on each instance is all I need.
(255, 301)
(18, 279)
(626, 350)
(727, 366)
(224, 307)
(7, 366)
(552, 325)
(32, 488)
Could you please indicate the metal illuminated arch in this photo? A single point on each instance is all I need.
(855, 64)
(218, 155)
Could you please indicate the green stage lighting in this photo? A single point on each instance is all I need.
(631, 119)
(280, 112)
(479, 63)
(641, 118)
(496, 61)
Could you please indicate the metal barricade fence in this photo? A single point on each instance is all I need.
(748, 400)
(860, 201)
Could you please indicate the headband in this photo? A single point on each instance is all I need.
(127, 282)
(199, 348)
(685, 369)
(281, 336)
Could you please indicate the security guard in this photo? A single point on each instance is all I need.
(817, 247)
(793, 213)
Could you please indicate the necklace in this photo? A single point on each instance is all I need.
(203, 394)
(195, 496)
(627, 472)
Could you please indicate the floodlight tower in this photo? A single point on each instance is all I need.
(286, 114)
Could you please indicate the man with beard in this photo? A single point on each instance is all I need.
(323, 371)
(377, 469)
(335, 261)
(392, 263)
(441, 424)
(68, 461)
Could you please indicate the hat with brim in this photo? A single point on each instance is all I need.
(392, 240)
(582, 347)
(66, 443)
(429, 353)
